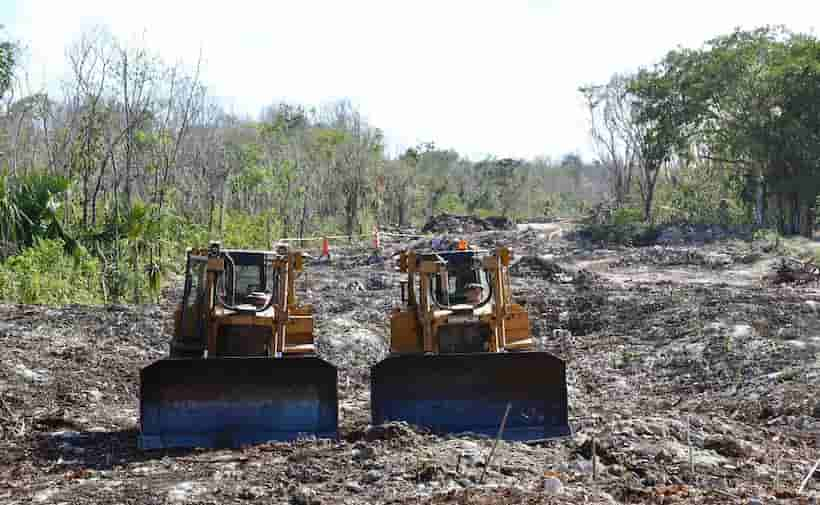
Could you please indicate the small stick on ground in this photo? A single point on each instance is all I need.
(726, 494)
(497, 439)
(689, 443)
(8, 409)
(594, 464)
(806, 480)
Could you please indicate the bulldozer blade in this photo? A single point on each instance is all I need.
(230, 402)
(461, 393)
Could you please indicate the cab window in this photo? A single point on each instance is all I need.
(455, 291)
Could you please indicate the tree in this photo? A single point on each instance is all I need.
(399, 176)
(502, 181)
(359, 153)
(9, 52)
(614, 132)
(574, 165)
(183, 93)
(434, 169)
(747, 100)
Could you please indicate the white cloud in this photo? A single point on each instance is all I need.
(479, 76)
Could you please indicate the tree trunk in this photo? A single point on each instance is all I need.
(86, 199)
(128, 136)
(222, 209)
(96, 194)
(648, 193)
(268, 234)
(402, 212)
(806, 230)
(760, 202)
(211, 215)
(304, 218)
(155, 196)
(789, 211)
(116, 288)
(647, 209)
(351, 205)
(283, 208)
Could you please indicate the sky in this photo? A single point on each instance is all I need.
(496, 77)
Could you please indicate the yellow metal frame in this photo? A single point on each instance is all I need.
(413, 327)
(291, 323)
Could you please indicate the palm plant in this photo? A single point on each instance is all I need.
(11, 218)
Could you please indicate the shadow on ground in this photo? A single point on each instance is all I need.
(96, 450)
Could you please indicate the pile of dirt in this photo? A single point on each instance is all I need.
(545, 267)
(687, 256)
(794, 271)
(642, 235)
(539, 266)
(700, 233)
(451, 223)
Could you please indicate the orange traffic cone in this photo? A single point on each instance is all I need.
(325, 248)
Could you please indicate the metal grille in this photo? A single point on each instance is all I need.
(464, 338)
(243, 340)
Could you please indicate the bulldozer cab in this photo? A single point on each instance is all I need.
(463, 269)
(249, 278)
(248, 282)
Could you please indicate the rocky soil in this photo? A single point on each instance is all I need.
(693, 378)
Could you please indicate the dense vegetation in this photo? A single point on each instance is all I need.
(104, 185)
(737, 117)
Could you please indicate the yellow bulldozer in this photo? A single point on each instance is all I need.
(242, 366)
(461, 355)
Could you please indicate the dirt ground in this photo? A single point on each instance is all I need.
(692, 377)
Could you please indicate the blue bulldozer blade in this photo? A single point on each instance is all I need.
(469, 393)
(230, 402)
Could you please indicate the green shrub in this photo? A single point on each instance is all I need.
(626, 216)
(766, 235)
(631, 234)
(624, 226)
(45, 274)
(563, 204)
(247, 231)
(451, 204)
(696, 198)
